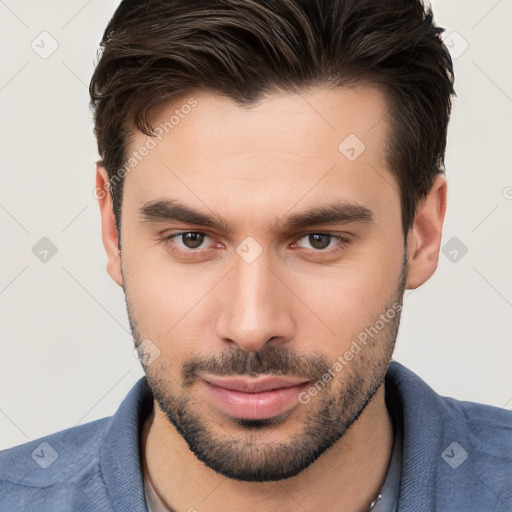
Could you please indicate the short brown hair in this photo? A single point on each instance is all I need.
(154, 50)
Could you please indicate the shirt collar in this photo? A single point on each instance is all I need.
(120, 460)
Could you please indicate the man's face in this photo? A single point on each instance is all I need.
(256, 296)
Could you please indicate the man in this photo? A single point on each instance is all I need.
(271, 181)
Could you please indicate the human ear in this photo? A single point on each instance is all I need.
(424, 238)
(109, 232)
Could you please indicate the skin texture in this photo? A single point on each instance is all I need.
(293, 303)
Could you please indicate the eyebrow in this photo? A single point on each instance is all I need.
(162, 210)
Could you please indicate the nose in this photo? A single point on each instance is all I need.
(256, 306)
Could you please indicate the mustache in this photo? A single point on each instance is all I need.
(271, 360)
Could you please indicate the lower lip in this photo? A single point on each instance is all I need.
(255, 406)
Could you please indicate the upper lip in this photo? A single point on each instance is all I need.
(254, 384)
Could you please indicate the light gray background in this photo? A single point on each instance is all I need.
(66, 350)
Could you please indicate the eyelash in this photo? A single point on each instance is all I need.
(342, 243)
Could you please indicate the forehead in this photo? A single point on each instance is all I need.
(277, 122)
(284, 148)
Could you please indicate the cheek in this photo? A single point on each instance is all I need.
(167, 303)
(342, 302)
(163, 303)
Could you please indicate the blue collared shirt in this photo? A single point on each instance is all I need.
(456, 456)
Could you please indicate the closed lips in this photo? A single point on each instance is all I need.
(254, 385)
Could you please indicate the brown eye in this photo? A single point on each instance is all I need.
(192, 239)
(322, 243)
(191, 245)
(319, 241)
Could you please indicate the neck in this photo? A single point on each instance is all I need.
(348, 476)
